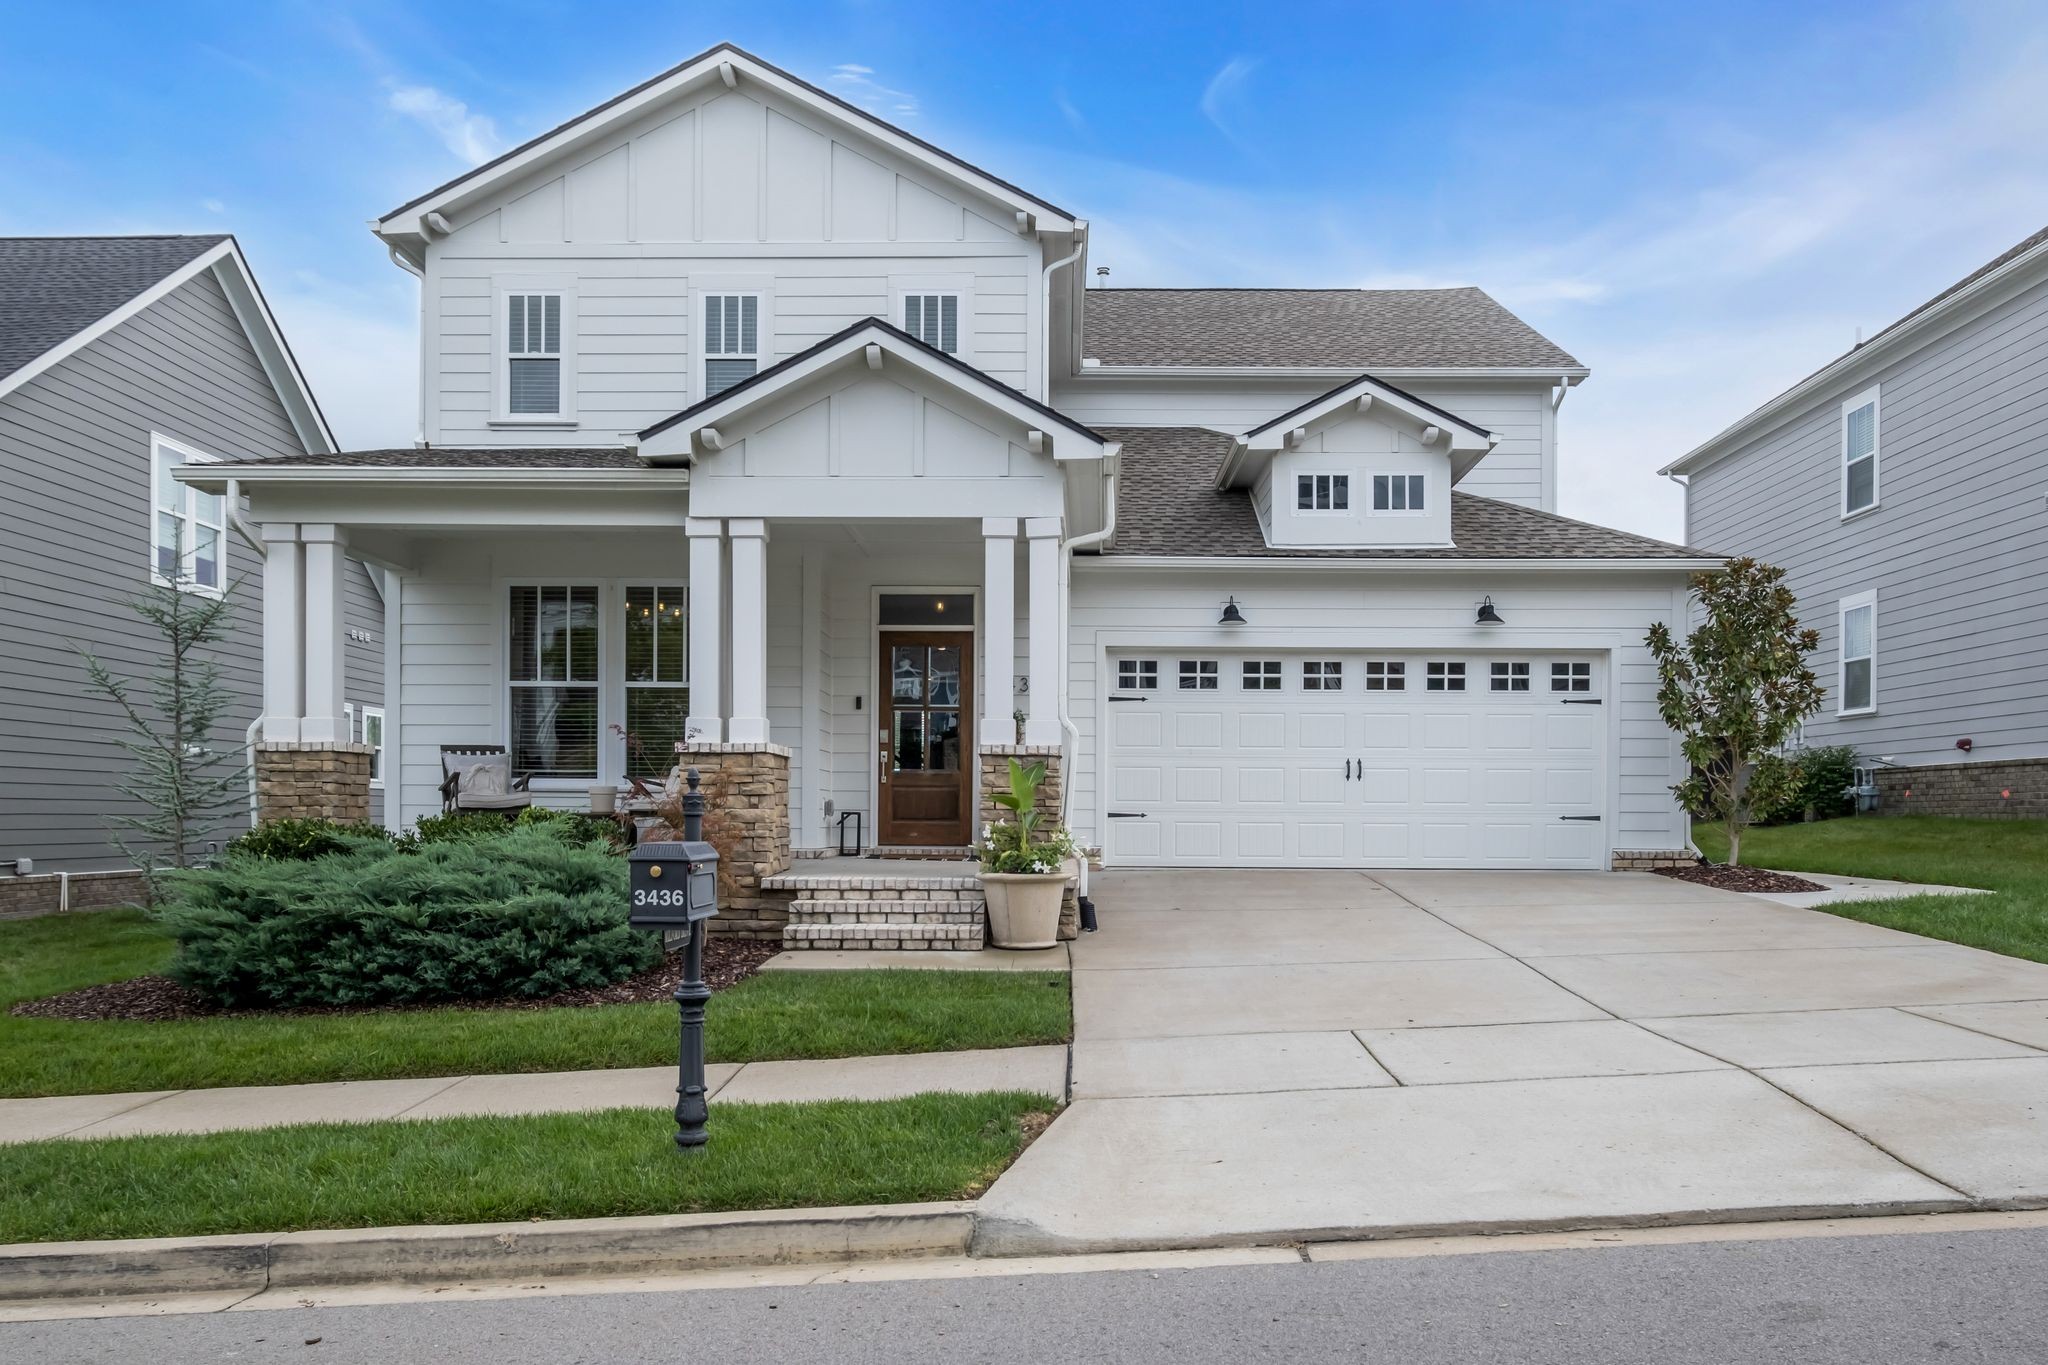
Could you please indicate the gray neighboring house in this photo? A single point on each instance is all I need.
(1904, 487)
(121, 357)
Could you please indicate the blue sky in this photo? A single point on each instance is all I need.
(1703, 202)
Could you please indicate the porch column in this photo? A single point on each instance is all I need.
(749, 631)
(706, 721)
(283, 660)
(999, 629)
(1042, 723)
(324, 722)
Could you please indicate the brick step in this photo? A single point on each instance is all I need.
(886, 911)
(958, 937)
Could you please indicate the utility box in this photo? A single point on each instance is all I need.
(674, 884)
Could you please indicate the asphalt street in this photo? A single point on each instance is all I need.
(1866, 1300)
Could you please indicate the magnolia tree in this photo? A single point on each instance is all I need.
(1735, 690)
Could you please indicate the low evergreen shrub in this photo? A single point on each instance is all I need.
(1820, 784)
(301, 840)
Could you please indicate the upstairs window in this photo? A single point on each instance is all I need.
(187, 540)
(1262, 675)
(1322, 675)
(1385, 676)
(1198, 675)
(1137, 675)
(1510, 677)
(533, 355)
(1859, 453)
(1446, 676)
(1856, 689)
(1398, 492)
(934, 319)
(732, 340)
(1322, 492)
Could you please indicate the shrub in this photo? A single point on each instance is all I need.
(1819, 784)
(516, 912)
(464, 826)
(302, 840)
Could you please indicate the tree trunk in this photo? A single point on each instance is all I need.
(1734, 844)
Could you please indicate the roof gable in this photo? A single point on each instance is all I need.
(1363, 398)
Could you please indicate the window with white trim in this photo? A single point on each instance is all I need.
(187, 528)
(533, 355)
(1262, 675)
(732, 340)
(1509, 677)
(1198, 675)
(1398, 492)
(1322, 492)
(555, 634)
(1322, 675)
(934, 319)
(1571, 677)
(1856, 687)
(1385, 675)
(1445, 676)
(366, 726)
(657, 676)
(1859, 453)
(1137, 675)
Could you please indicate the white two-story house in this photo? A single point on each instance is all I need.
(756, 429)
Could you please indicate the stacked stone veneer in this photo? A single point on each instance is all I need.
(312, 781)
(1649, 859)
(995, 776)
(746, 818)
(1994, 787)
(893, 910)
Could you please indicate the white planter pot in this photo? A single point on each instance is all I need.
(603, 800)
(1024, 908)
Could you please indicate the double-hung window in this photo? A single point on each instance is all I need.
(366, 726)
(533, 355)
(1856, 689)
(187, 534)
(1398, 492)
(1859, 453)
(933, 319)
(1322, 492)
(732, 340)
(657, 676)
(554, 679)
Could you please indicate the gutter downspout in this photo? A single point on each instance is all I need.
(398, 259)
(1067, 726)
(1045, 308)
(254, 542)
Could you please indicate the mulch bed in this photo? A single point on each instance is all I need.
(727, 962)
(1737, 878)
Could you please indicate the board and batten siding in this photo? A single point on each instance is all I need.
(1521, 469)
(1122, 606)
(75, 548)
(1955, 550)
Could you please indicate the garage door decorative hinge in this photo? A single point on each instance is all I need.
(1126, 815)
(1578, 817)
(1578, 701)
(1130, 699)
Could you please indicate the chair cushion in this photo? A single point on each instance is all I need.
(516, 801)
(486, 779)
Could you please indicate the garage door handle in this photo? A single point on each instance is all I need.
(1127, 815)
(1579, 817)
(1347, 770)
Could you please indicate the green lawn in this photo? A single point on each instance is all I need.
(774, 1015)
(470, 1170)
(2009, 857)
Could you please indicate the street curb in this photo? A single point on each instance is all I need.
(663, 1244)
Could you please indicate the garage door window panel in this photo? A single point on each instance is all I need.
(1322, 675)
(1137, 675)
(1445, 676)
(1385, 676)
(1262, 675)
(1571, 677)
(1509, 676)
(1198, 675)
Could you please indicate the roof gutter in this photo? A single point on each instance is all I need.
(1091, 369)
(1335, 564)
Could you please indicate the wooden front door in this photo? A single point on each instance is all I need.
(926, 739)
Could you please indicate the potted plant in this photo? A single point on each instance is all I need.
(1024, 866)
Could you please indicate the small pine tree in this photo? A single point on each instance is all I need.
(183, 782)
(1735, 690)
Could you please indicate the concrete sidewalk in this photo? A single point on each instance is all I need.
(1858, 889)
(1039, 1070)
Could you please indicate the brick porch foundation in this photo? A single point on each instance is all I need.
(1996, 787)
(310, 781)
(746, 817)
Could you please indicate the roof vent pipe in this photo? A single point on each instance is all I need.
(1101, 276)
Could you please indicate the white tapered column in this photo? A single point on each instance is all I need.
(749, 631)
(284, 700)
(1042, 723)
(324, 721)
(706, 721)
(999, 628)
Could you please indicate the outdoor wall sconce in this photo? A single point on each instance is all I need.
(1487, 615)
(1231, 615)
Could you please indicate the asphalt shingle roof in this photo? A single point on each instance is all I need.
(1168, 504)
(454, 457)
(1361, 329)
(52, 288)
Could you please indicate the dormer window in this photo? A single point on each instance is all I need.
(1398, 492)
(1322, 492)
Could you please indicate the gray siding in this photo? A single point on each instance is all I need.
(1955, 551)
(74, 548)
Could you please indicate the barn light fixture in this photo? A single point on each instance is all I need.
(1231, 615)
(1487, 615)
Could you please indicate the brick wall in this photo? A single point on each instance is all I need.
(995, 776)
(1994, 787)
(1648, 859)
(307, 781)
(23, 897)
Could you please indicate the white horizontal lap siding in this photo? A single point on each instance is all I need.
(1396, 610)
(449, 676)
(1954, 550)
(1520, 468)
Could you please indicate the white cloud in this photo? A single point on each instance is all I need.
(857, 85)
(1220, 94)
(1069, 111)
(213, 206)
(472, 137)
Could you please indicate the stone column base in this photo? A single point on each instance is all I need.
(746, 818)
(299, 780)
(1648, 859)
(995, 776)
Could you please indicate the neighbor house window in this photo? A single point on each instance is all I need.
(1262, 675)
(533, 355)
(657, 677)
(187, 528)
(366, 726)
(1322, 492)
(1571, 677)
(732, 340)
(1857, 690)
(1322, 675)
(1385, 676)
(1510, 677)
(1198, 675)
(933, 319)
(1446, 677)
(1137, 675)
(554, 635)
(1397, 492)
(1859, 453)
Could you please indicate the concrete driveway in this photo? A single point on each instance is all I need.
(1269, 1056)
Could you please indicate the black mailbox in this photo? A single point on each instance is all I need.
(674, 884)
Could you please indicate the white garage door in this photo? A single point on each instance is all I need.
(1356, 760)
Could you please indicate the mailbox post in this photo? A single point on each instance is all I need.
(675, 885)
